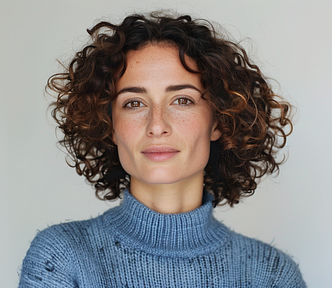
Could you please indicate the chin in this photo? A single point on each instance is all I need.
(167, 176)
(161, 179)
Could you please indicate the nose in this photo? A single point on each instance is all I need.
(158, 122)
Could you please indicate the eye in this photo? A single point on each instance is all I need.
(133, 104)
(183, 101)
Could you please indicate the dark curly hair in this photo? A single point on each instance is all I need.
(250, 116)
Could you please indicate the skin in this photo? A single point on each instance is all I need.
(159, 109)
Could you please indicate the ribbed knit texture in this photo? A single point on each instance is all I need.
(134, 246)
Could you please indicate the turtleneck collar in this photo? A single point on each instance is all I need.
(187, 234)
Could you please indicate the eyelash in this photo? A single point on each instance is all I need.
(126, 104)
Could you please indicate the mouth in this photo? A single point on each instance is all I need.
(159, 153)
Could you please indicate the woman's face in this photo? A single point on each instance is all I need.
(162, 126)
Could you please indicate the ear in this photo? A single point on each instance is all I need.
(215, 132)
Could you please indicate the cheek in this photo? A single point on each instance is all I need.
(126, 130)
(196, 128)
(195, 133)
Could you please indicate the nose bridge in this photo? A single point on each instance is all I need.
(158, 120)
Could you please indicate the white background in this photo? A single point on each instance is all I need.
(292, 41)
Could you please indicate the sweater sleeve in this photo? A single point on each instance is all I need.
(46, 262)
(288, 274)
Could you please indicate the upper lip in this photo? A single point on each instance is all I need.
(160, 149)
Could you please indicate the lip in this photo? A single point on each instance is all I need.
(160, 153)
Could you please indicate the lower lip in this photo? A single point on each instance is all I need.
(158, 157)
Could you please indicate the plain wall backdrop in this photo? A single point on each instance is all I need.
(290, 40)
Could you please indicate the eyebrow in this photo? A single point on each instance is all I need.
(132, 90)
(171, 88)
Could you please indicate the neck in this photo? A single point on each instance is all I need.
(179, 197)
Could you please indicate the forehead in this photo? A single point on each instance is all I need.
(158, 63)
(161, 52)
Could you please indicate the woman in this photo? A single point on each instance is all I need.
(173, 118)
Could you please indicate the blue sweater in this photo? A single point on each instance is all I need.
(133, 246)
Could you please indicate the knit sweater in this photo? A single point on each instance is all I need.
(133, 246)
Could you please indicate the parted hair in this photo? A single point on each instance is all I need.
(253, 120)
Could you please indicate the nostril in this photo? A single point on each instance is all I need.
(164, 132)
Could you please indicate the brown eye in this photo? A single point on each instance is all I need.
(183, 101)
(133, 104)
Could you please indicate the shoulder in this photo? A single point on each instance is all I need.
(61, 239)
(74, 235)
(54, 253)
(64, 233)
(266, 261)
